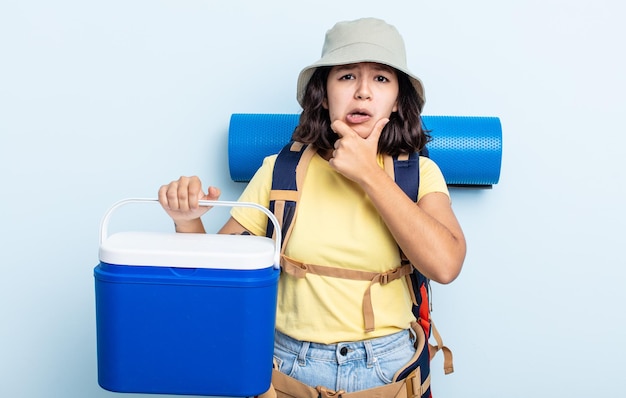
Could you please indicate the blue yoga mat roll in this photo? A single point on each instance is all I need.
(468, 149)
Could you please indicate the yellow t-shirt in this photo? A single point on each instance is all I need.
(337, 225)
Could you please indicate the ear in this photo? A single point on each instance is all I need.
(325, 103)
(395, 106)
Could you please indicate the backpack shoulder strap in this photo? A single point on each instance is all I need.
(405, 175)
(404, 169)
(288, 176)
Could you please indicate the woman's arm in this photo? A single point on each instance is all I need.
(428, 233)
(233, 227)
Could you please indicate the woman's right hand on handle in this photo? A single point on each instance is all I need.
(180, 201)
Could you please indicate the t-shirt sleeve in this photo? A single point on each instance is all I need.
(431, 179)
(257, 191)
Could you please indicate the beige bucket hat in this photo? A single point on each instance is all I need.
(361, 40)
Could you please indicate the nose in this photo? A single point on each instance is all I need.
(363, 91)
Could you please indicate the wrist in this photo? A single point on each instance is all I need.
(189, 226)
(372, 179)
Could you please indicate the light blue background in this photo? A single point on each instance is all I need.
(104, 100)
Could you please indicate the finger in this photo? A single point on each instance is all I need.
(342, 129)
(163, 197)
(213, 193)
(182, 194)
(179, 194)
(171, 195)
(193, 192)
(377, 130)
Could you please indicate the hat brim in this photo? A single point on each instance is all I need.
(345, 56)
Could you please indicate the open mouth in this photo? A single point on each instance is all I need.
(358, 116)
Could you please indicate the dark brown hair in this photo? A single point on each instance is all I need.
(403, 134)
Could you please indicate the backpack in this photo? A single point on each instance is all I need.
(414, 379)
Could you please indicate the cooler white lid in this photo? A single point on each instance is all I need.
(240, 252)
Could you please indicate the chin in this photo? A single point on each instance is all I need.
(363, 134)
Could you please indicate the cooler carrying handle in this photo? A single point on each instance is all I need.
(104, 224)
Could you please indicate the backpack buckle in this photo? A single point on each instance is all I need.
(388, 276)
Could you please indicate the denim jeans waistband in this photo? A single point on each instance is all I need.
(344, 351)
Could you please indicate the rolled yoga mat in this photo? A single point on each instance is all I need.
(468, 149)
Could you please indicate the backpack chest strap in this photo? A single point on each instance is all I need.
(299, 269)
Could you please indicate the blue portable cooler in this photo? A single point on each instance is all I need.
(186, 313)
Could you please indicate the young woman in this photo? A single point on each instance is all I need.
(360, 102)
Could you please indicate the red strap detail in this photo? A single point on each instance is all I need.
(424, 311)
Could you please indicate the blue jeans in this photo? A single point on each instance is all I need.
(350, 366)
